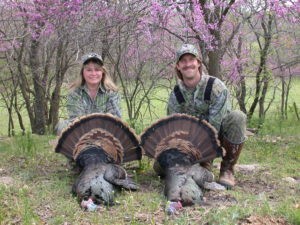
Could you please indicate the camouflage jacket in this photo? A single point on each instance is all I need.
(213, 110)
(79, 102)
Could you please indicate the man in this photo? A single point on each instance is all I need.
(207, 97)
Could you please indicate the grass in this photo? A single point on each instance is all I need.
(39, 188)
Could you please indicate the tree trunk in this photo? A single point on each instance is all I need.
(263, 97)
(288, 87)
(282, 96)
(263, 59)
(241, 86)
(241, 95)
(55, 96)
(20, 118)
(214, 64)
(24, 83)
(39, 124)
(11, 126)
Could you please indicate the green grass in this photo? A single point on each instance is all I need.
(42, 181)
(42, 184)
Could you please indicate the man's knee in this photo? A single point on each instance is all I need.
(234, 127)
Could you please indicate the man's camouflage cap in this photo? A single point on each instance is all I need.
(187, 49)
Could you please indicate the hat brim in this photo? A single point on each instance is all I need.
(94, 59)
(185, 53)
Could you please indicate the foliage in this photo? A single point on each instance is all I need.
(25, 144)
(41, 42)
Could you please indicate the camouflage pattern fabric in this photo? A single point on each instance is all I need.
(187, 48)
(79, 103)
(234, 127)
(214, 111)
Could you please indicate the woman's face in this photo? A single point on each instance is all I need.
(92, 74)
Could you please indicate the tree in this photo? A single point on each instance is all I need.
(41, 41)
(44, 41)
(199, 22)
(252, 52)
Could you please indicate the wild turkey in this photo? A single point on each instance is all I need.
(178, 143)
(99, 143)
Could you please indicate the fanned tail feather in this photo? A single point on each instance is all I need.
(105, 130)
(183, 132)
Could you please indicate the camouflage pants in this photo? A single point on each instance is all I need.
(233, 127)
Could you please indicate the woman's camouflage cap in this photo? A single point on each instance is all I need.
(91, 55)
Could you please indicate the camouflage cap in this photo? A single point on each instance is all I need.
(187, 49)
(91, 55)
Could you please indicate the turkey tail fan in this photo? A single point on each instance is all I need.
(93, 125)
(102, 139)
(183, 132)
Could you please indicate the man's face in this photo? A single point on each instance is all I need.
(188, 65)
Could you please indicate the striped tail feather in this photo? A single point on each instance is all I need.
(109, 125)
(186, 133)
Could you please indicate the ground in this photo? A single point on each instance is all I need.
(252, 180)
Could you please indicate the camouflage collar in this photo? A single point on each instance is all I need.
(201, 83)
(101, 89)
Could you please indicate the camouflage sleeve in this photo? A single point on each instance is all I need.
(74, 105)
(113, 104)
(220, 105)
(173, 105)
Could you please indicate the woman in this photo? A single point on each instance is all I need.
(94, 92)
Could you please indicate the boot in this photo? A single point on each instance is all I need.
(227, 165)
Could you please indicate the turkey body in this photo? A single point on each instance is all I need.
(184, 181)
(100, 179)
(92, 184)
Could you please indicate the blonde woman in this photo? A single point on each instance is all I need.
(94, 92)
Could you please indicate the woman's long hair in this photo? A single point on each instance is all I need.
(106, 80)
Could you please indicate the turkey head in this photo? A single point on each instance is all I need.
(179, 143)
(99, 143)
